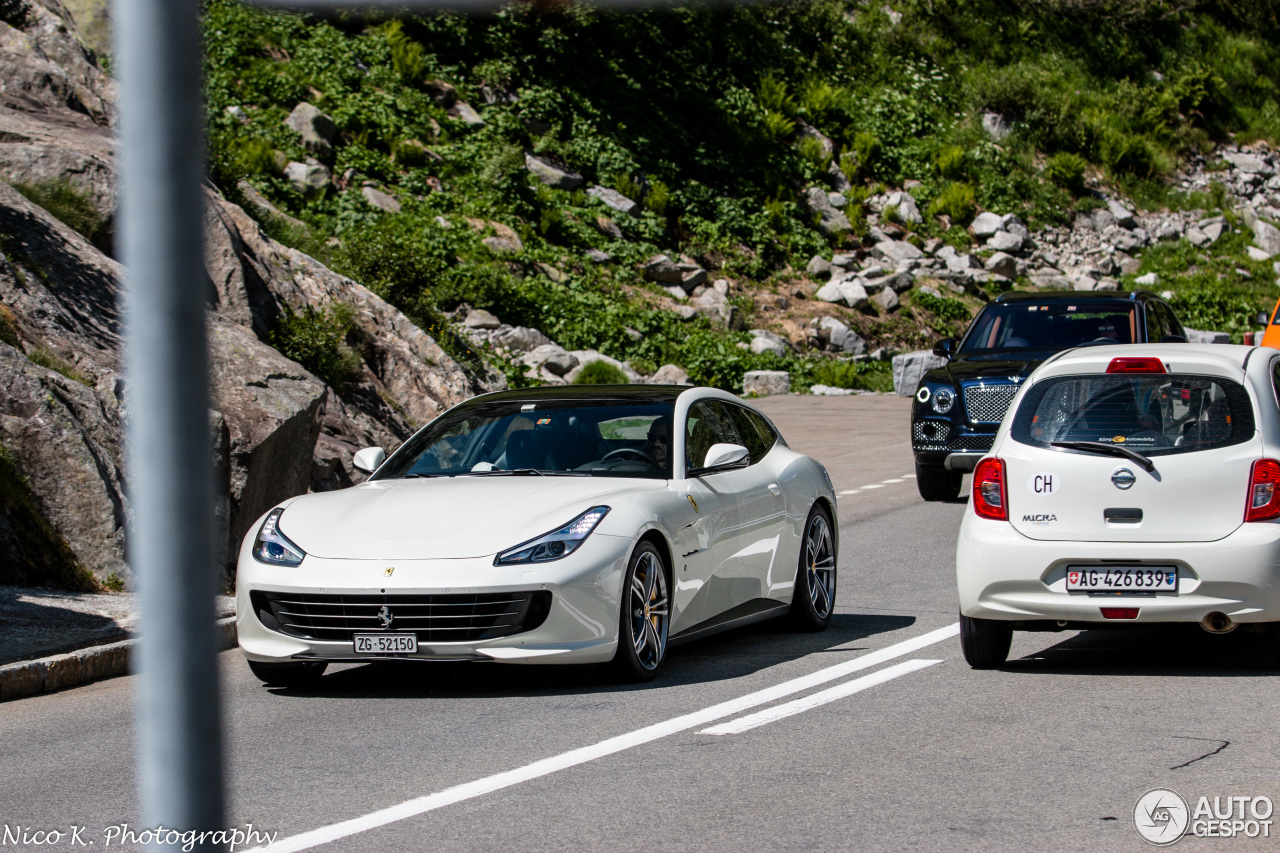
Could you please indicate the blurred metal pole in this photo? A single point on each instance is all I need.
(158, 53)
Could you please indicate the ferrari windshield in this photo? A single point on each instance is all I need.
(606, 438)
(1052, 326)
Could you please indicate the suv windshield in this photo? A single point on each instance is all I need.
(1152, 414)
(606, 438)
(1056, 325)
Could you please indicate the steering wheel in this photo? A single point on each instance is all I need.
(636, 452)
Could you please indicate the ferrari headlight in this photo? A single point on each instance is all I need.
(556, 544)
(273, 547)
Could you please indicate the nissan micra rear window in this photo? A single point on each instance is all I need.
(1152, 414)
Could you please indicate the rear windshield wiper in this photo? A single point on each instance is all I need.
(1108, 450)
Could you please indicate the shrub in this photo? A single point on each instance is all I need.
(813, 150)
(1067, 171)
(317, 341)
(950, 163)
(600, 373)
(956, 202)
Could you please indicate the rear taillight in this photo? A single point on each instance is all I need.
(989, 497)
(1140, 364)
(1263, 500)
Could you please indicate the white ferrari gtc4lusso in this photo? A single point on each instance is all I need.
(551, 525)
(1129, 485)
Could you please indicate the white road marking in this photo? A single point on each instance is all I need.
(547, 766)
(908, 476)
(799, 706)
(850, 491)
(874, 486)
(898, 480)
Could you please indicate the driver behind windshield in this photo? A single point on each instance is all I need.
(657, 445)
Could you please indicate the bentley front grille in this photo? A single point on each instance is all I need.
(986, 404)
(450, 618)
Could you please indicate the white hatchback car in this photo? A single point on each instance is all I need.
(1133, 484)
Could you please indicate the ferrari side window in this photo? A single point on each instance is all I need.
(708, 424)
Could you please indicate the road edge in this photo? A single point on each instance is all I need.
(62, 672)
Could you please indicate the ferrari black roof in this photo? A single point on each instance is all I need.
(1075, 295)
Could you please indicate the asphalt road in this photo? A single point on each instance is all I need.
(1050, 752)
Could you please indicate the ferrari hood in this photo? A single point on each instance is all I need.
(444, 518)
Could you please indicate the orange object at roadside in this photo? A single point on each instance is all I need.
(1272, 336)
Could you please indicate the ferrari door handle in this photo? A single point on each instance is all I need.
(773, 487)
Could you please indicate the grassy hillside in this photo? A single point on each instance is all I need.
(700, 113)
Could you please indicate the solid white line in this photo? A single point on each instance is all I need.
(547, 766)
(799, 706)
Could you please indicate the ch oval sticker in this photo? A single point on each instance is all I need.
(1044, 484)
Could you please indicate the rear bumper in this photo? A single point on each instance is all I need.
(1003, 575)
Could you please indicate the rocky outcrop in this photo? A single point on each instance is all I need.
(276, 430)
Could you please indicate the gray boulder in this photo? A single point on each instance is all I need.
(614, 199)
(818, 267)
(478, 318)
(1248, 163)
(519, 338)
(586, 356)
(465, 113)
(1004, 241)
(996, 126)
(311, 179)
(840, 337)
(315, 128)
(830, 220)
(551, 357)
(669, 374)
(1003, 264)
(663, 270)
(1123, 215)
(896, 251)
(763, 341)
(766, 383)
(887, 300)
(847, 292)
(986, 223)
(908, 212)
(554, 175)
(1266, 236)
(381, 200)
(909, 368)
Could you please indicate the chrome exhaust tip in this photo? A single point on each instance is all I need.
(1217, 623)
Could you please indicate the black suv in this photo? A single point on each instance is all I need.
(958, 406)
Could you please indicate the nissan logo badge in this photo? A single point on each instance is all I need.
(1123, 478)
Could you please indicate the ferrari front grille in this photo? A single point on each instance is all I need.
(452, 618)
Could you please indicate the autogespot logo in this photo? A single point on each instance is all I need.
(1161, 816)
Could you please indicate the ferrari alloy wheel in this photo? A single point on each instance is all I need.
(985, 642)
(289, 674)
(645, 616)
(814, 599)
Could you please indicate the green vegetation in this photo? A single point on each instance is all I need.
(73, 208)
(47, 358)
(698, 114)
(34, 553)
(600, 373)
(318, 341)
(1219, 288)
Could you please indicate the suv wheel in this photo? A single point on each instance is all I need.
(985, 642)
(937, 483)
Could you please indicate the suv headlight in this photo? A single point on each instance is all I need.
(943, 400)
(556, 544)
(273, 547)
